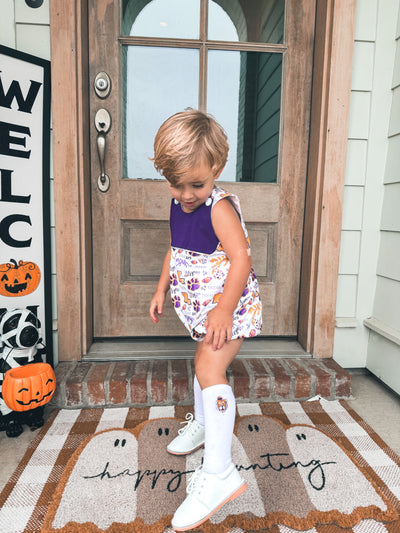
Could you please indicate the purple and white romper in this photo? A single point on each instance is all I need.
(199, 267)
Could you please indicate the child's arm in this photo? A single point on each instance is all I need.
(227, 227)
(157, 302)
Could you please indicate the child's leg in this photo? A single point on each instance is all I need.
(218, 481)
(211, 365)
(198, 401)
(218, 403)
(191, 436)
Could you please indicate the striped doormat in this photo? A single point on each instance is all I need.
(312, 466)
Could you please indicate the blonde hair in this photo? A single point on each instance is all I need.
(187, 139)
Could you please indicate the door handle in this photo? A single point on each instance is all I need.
(102, 122)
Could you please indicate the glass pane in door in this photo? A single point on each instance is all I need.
(158, 82)
(179, 19)
(257, 21)
(244, 95)
(223, 87)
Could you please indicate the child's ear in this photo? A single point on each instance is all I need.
(217, 175)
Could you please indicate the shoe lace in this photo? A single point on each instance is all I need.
(189, 423)
(193, 482)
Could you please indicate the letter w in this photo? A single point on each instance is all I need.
(14, 91)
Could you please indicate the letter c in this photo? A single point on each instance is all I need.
(5, 236)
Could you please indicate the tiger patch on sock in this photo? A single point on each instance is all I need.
(222, 404)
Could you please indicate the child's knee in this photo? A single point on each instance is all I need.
(208, 374)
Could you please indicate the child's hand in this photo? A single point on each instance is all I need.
(219, 328)
(156, 306)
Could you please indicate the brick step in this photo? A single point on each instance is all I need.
(169, 382)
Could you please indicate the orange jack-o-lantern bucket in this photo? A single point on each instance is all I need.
(30, 386)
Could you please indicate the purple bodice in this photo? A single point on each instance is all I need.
(193, 231)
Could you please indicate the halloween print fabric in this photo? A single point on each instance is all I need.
(199, 267)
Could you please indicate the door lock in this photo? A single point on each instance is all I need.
(102, 85)
(102, 121)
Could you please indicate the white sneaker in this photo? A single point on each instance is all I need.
(189, 439)
(206, 494)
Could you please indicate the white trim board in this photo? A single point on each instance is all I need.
(383, 329)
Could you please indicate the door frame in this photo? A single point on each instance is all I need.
(332, 68)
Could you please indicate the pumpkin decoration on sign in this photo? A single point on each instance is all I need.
(18, 279)
(30, 386)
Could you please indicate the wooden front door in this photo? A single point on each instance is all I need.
(247, 63)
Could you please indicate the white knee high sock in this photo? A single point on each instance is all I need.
(219, 415)
(198, 402)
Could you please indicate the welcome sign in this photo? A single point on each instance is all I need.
(25, 271)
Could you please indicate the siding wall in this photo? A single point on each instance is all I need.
(371, 99)
(268, 105)
(25, 28)
(383, 357)
(28, 30)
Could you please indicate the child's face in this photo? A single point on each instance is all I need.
(193, 189)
